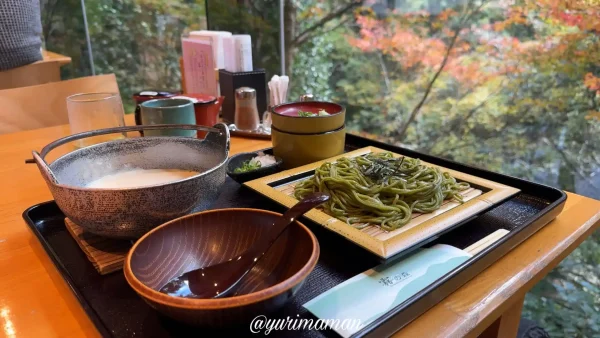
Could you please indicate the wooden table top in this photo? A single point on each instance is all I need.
(35, 300)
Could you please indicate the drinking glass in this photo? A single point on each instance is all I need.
(92, 111)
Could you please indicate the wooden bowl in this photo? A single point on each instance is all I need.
(284, 117)
(237, 160)
(300, 149)
(211, 237)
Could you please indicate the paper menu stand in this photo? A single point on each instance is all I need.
(217, 38)
(199, 66)
(371, 294)
(237, 53)
(229, 54)
(243, 52)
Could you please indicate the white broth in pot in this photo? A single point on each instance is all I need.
(137, 178)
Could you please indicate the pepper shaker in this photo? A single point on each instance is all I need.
(246, 111)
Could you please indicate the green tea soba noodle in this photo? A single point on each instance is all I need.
(380, 189)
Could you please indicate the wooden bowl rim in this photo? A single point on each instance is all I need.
(221, 303)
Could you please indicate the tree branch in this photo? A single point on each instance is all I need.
(470, 114)
(48, 24)
(473, 110)
(429, 87)
(341, 23)
(336, 26)
(304, 36)
(451, 126)
(386, 77)
(445, 151)
(415, 111)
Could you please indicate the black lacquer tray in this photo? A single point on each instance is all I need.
(118, 312)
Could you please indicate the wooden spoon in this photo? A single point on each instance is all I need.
(220, 280)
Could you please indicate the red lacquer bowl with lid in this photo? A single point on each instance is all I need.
(286, 117)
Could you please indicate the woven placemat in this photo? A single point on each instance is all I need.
(106, 254)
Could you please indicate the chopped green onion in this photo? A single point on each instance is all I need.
(321, 112)
(306, 114)
(249, 165)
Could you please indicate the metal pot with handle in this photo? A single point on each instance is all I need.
(131, 212)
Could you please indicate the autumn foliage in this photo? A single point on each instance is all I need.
(420, 40)
(511, 85)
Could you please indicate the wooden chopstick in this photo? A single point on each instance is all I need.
(483, 243)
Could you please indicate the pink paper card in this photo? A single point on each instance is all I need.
(199, 66)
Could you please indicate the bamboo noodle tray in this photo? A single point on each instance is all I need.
(385, 244)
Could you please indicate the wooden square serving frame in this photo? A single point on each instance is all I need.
(387, 244)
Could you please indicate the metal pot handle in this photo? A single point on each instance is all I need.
(220, 131)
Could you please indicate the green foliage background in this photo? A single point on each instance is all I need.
(137, 40)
